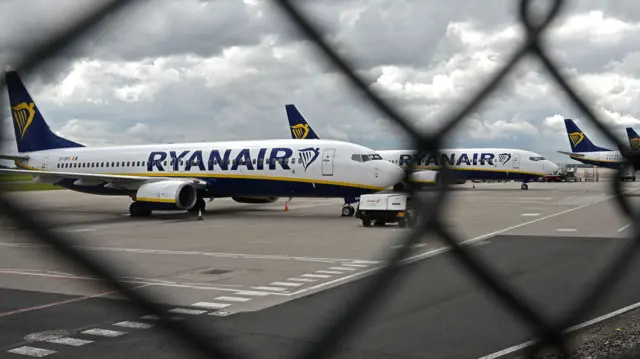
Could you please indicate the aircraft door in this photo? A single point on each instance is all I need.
(45, 163)
(327, 161)
(516, 160)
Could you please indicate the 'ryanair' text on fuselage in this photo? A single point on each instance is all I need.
(225, 160)
(453, 159)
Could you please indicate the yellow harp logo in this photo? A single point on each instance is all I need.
(635, 143)
(23, 115)
(300, 130)
(576, 138)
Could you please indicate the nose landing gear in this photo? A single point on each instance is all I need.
(347, 208)
(524, 186)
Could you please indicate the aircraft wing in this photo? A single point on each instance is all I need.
(571, 154)
(14, 157)
(47, 176)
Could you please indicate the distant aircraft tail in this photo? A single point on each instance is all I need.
(634, 139)
(299, 127)
(32, 132)
(578, 140)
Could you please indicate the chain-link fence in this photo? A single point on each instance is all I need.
(549, 335)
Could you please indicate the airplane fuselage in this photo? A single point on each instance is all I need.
(605, 159)
(284, 168)
(478, 163)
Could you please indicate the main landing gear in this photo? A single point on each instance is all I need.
(200, 205)
(347, 208)
(524, 186)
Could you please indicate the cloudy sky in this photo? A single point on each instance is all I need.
(194, 70)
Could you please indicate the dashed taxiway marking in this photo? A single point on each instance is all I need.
(187, 311)
(566, 229)
(252, 293)
(530, 214)
(210, 305)
(328, 272)
(133, 325)
(32, 352)
(233, 299)
(316, 275)
(287, 284)
(69, 341)
(277, 289)
(103, 332)
(307, 280)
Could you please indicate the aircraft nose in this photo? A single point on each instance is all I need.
(392, 174)
(551, 167)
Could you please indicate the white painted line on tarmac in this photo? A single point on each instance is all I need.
(69, 341)
(277, 289)
(566, 229)
(150, 317)
(342, 268)
(354, 265)
(211, 305)
(31, 351)
(328, 272)
(133, 325)
(104, 332)
(438, 251)
(187, 311)
(568, 330)
(287, 284)
(316, 275)
(624, 227)
(252, 293)
(530, 214)
(307, 280)
(233, 299)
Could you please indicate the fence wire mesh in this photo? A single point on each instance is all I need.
(548, 334)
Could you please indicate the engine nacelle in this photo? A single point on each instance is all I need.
(424, 177)
(167, 195)
(255, 199)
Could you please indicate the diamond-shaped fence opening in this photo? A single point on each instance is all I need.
(549, 335)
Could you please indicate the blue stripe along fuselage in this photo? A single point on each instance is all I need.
(227, 187)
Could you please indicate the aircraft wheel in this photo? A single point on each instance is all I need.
(524, 186)
(348, 211)
(366, 222)
(137, 209)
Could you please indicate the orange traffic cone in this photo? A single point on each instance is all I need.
(286, 205)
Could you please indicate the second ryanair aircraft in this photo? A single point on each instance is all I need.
(180, 176)
(466, 163)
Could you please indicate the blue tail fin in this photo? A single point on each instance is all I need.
(634, 139)
(32, 132)
(299, 127)
(578, 140)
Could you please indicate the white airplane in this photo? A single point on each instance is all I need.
(466, 163)
(583, 150)
(180, 176)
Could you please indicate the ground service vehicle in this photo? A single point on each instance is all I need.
(383, 208)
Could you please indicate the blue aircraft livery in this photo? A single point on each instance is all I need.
(225, 160)
(455, 159)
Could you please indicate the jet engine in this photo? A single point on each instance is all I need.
(167, 195)
(255, 199)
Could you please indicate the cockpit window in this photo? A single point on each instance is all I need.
(536, 158)
(366, 158)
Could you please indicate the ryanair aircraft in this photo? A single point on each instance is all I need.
(466, 163)
(180, 176)
(583, 150)
(634, 139)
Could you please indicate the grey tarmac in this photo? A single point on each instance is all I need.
(244, 262)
